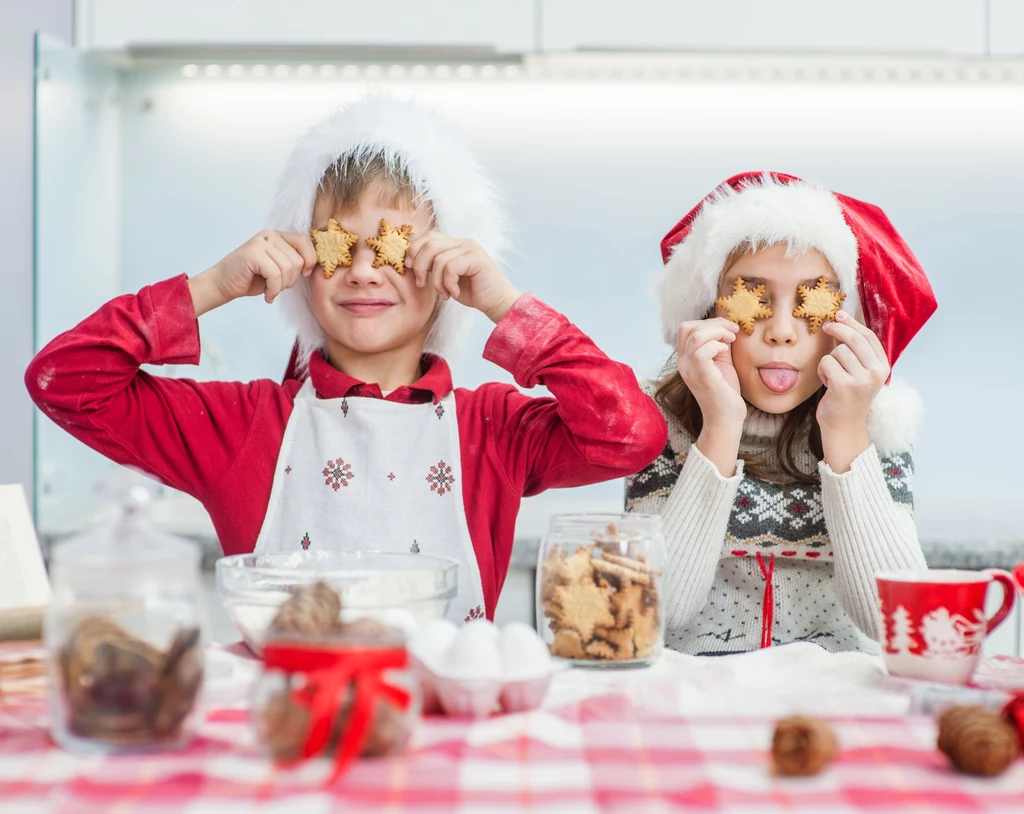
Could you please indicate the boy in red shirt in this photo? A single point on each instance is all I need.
(366, 445)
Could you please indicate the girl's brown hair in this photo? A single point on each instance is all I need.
(675, 398)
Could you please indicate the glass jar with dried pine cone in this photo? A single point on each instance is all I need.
(599, 589)
(332, 688)
(123, 643)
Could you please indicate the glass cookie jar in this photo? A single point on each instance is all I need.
(599, 589)
(123, 641)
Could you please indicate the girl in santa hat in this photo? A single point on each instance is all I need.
(366, 444)
(786, 482)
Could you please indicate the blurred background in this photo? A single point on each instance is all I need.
(144, 139)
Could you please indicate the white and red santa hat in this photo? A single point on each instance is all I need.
(444, 173)
(885, 285)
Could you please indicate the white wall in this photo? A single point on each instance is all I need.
(18, 23)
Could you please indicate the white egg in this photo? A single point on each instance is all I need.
(483, 627)
(523, 652)
(474, 653)
(431, 643)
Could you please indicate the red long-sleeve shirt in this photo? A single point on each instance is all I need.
(219, 441)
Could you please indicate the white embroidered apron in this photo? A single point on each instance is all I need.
(357, 474)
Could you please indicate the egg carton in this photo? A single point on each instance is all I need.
(478, 670)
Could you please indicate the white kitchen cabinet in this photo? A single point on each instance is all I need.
(1006, 27)
(874, 26)
(496, 25)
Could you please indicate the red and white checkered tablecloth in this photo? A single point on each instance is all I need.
(604, 753)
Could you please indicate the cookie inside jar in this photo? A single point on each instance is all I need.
(598, 590)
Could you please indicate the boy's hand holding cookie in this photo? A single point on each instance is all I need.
(853, 374)
(458, 268)
(266, 264)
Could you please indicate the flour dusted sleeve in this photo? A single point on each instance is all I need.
(694, 502)
(599, 424)
(870, 521)
(88, 382)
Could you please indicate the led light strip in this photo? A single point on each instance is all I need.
(614, 70)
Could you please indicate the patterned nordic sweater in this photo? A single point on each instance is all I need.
(819, 546)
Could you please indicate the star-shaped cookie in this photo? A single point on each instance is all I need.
(820, 304)
(390, 244)
(743, 306)
(333, 247)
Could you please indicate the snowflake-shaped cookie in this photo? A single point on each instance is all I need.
(390, 244)
(820, 304)
(743, 306)
(333, 247)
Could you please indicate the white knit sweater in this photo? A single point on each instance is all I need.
(825, 543)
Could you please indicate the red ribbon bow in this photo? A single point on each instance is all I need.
(329, 672)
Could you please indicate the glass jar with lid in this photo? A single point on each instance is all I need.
(123, 638)
(599, 592)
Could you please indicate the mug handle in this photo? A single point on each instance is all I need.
(1009, 587)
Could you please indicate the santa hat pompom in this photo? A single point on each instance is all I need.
(443, 172)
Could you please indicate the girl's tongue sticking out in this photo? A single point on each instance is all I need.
(778, 379)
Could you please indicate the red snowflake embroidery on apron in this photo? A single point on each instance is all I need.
(287, 470)
(475, 613)
(305, 541)
(344, 407)
(439, 409)
(414, 548)
(440, 478)
(337, 474)
(391, 476)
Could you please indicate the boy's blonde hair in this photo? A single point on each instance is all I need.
(349, 178)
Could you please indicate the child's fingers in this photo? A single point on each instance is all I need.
(846, 319)
(423, 256)
(288, 260)
(857, 342)
(710, 350)
(829, 370)
(270, 272)
(303, 246)
(444, 275)
(709, 333)
(687, 329)
(848, 360)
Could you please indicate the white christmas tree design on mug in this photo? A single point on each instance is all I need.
(943, 635)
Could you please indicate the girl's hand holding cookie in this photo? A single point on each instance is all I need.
(266, 264)
(458, 268)
(852, 373)
(704, 360)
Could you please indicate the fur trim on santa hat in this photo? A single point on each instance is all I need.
(894, 417)
(802, 215)
(444, 173)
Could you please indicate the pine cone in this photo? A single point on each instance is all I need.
(283, 726)
(977, 741)
(803, 746)
(310, 613)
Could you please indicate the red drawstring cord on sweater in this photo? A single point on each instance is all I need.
(768, 604)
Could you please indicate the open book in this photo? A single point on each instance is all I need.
(23, 580)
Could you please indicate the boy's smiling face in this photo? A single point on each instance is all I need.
(365, 310)
(777, 365)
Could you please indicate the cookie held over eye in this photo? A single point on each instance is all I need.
(333, 247)
(391, 244)
(743, 306)
(820, 304)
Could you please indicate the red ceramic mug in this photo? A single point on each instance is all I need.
(932, 623)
